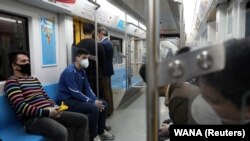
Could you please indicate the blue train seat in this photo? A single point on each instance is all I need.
(120, 93)
(118, 80)
(10, 128)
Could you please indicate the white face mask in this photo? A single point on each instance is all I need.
(228, 121)
(84, 63)
(203, 113)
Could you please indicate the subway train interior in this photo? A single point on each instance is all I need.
(169, 68)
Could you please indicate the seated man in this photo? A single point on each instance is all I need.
(37, 112)
(75, 91)
(178, 97)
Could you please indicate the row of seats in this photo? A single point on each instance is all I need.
(118, 80)
(10, 128)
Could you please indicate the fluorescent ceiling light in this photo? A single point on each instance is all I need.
(7, 19)
(130, 19)
(142, 26)
(110, 8)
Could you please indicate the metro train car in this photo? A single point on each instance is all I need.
(149, 43)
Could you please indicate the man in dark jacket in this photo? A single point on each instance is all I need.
(74, 91)
(108, 68)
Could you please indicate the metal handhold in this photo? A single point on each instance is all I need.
(175, 69)
(204, 60)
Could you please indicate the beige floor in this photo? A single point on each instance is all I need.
(129, 122)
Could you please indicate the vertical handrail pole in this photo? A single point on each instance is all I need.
(153, 23)
(96, 55)
(129, 63)
(126, 46)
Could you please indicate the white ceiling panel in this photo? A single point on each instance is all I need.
(169, 13)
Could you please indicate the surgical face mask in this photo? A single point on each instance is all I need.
(229, 121)
(25, 68)
(203, 113)
(84, 63)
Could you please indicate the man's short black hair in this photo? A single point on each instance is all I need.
(234, 80)
(88, 28)
(81, 51)
(13, 56)
(183, 50)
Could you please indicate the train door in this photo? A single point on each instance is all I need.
(78, 33)
(137, 52)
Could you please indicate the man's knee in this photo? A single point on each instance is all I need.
(84, 120)
(61, 133)
(94, 110)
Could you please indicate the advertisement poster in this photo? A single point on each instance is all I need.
(48, 42)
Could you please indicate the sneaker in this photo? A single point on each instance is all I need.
(107, 128)
(97, 138)
(106, 136)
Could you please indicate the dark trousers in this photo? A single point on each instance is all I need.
(96, 118)
(56, 129)
(107, 94)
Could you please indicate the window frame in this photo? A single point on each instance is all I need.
(25, 35)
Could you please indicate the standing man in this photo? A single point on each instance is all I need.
(108, 68)
(88, 43)
(75, 91)
(37, 112)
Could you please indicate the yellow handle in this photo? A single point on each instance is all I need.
(63, 107)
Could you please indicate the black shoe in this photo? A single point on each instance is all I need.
(107, 128)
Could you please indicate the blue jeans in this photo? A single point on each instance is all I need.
(56, 129)
(97, 119)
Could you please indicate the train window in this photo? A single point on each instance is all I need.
(117, 45)
(13, 36)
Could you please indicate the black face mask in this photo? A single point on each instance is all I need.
(25, 68)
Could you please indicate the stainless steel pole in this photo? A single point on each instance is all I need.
(96, 55)
(182, 32)
(153, 29)
(127, 51)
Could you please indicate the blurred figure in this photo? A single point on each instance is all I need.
(226, 93)
(108, 68)
(178, 98)
(142, 72)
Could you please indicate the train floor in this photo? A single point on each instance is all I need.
(129, 122)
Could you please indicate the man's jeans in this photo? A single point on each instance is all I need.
(97, 119)
(56, 129)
